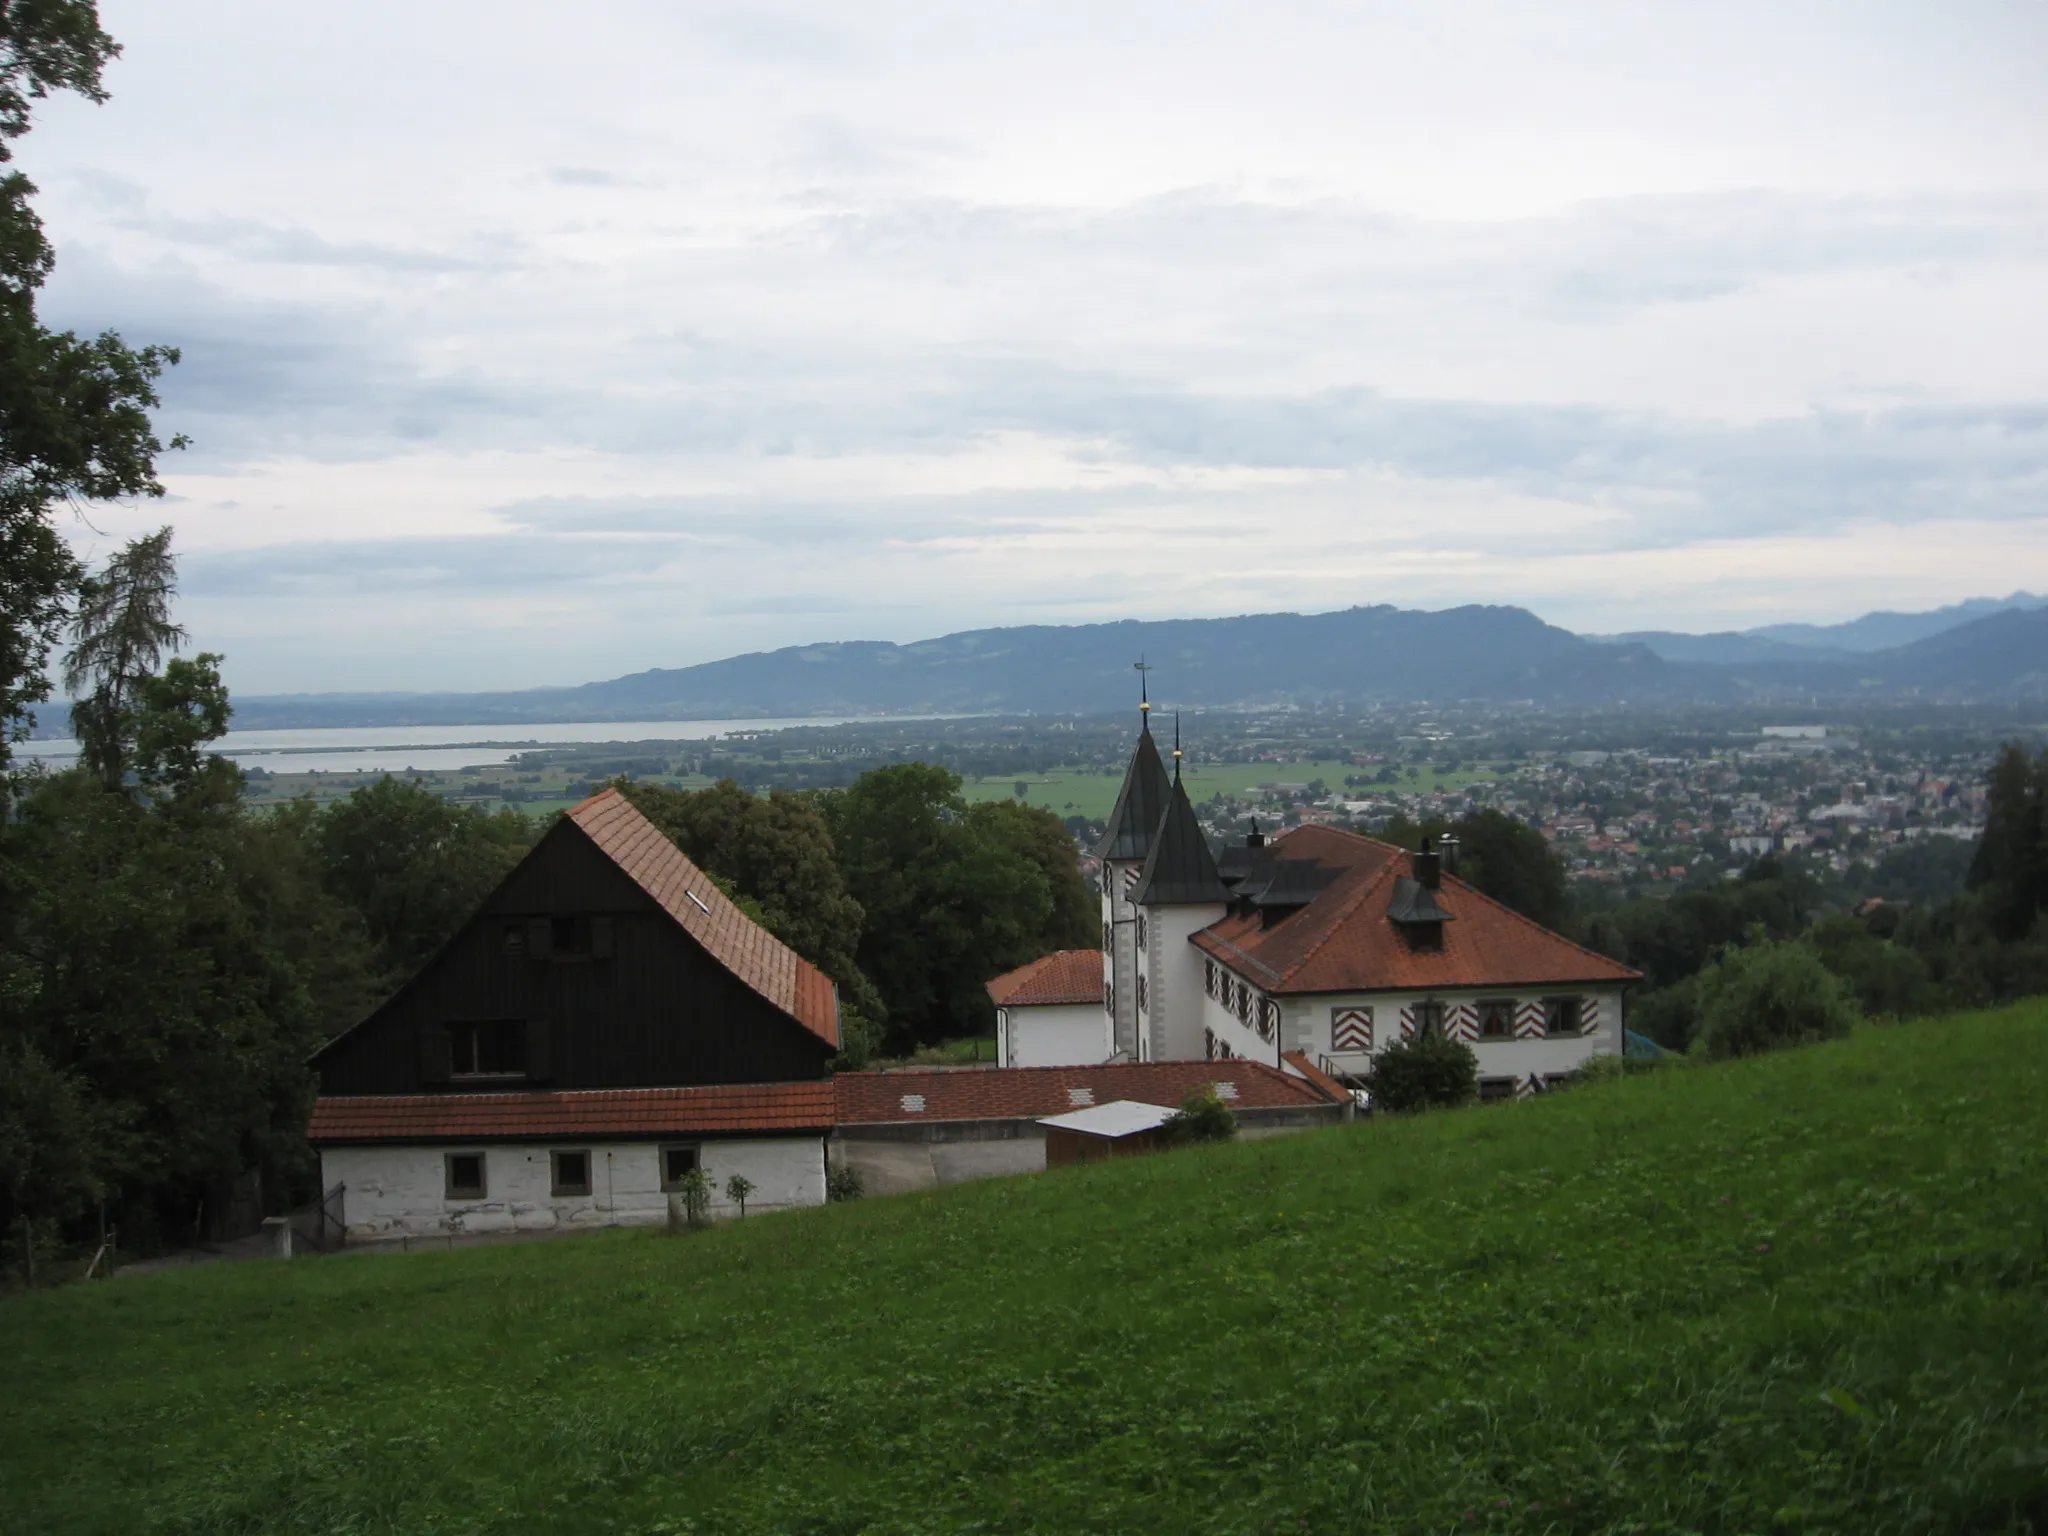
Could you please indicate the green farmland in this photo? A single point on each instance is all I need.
(1079, 792)
(1801, 1294)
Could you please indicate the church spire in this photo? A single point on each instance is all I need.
(1142, 800)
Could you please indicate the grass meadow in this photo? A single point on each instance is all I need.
(1079, 792)
(1807, 1293)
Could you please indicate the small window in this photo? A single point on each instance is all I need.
(677, 1164)
(465, 1172)
(571, 1173)
(1105, 938)
(1429, 1018)
(1561, 1015)
(1144, 1003)
(1497, 1018)
(1494, 1090)
(569, 937)
(487, 1048)
(1141, 930)
(515, 938)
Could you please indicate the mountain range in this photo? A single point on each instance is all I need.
(1985, 650)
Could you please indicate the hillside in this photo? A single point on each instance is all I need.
(1805, 1293)
(1356, 656)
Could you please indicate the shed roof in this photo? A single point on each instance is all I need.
(682, 890)
(1029, 1093)
(1124, 1117)
(751, 1108)
(1065, 976)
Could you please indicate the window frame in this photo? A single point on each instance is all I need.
(557, 1187)
(1499, 1007)
(1431, 1015)
(670, 1186)
(461, 1030)
(1577, 1006)
(449, 1189)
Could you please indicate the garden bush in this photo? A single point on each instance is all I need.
(1429, 1071)
(1768, 996)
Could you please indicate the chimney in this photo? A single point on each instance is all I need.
(1255, 838)
(1426, 868)
(1447, 852)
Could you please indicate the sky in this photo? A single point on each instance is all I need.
(525, 345)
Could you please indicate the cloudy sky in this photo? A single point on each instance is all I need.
(529, 344)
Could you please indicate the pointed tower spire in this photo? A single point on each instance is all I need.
(1179, 871)
(1142, 800)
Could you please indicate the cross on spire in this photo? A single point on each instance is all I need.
(1144, 693)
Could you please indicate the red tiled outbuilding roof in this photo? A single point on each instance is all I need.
(1017, 1093)
(682, 890)
(743, 1109)
(1344, 941)
(1065, 976)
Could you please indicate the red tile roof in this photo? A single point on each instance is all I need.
(1016, 1093)
(1065, 976)
(745, 1108)
(1315, 1074)
(1343, 940)
(688, 895)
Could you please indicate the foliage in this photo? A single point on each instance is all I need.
(773, 853)
(413, 866)
(1502, 856)
(74, 413)
(737, 1188)
(951, 897)
(1826, 1264)
(1768, 996)
(1202, 1116)
(843, 1182)
(120, 630)
(2010, 868)
(1427, 1071)
(694, 1189)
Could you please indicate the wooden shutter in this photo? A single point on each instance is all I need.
(601, 938)
(436, 1057)
(540, 1058)
(540, 938)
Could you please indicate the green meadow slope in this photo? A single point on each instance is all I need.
(1801, 1294)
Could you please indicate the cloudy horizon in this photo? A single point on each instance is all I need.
(519, 356)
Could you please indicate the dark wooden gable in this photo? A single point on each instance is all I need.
(577, 973)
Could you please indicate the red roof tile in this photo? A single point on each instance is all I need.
(1315, 1074)
(1343, 940)
(1016, 1093)
(751, 1107)
(1065, 976)
(688, 895)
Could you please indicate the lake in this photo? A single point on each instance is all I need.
(397, 748)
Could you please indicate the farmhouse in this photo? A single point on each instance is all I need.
(1325, 946)
(604, 1025)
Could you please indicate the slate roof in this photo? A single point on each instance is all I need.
(682, 890)
(1346, 941)
(1180, 870)
(747, 1109)
(1139, 804)
(1065, 976)
(1031, 1093)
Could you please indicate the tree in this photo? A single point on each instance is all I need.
(1767, 996)
(1202, 1116)
(2011, 862)
(1502, 856)
(412, 866)
(776, 854)
(1429, 1071)
(120, 631)
(737, 1188)
(74, 413)
(951, 898)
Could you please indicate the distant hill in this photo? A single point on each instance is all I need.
(1354, 656)
(1357, 654)
(1884, 630)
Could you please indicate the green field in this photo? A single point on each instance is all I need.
(1077, 792)
(1808, 1293)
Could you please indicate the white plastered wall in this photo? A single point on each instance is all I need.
(1055, 1035)
(1174, 979)
(1120, 956)
(1543, 1056)
(401, 1191)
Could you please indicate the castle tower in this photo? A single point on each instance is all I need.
(1178, 893)
(1140, 805)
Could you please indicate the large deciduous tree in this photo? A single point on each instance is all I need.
(74, 411)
